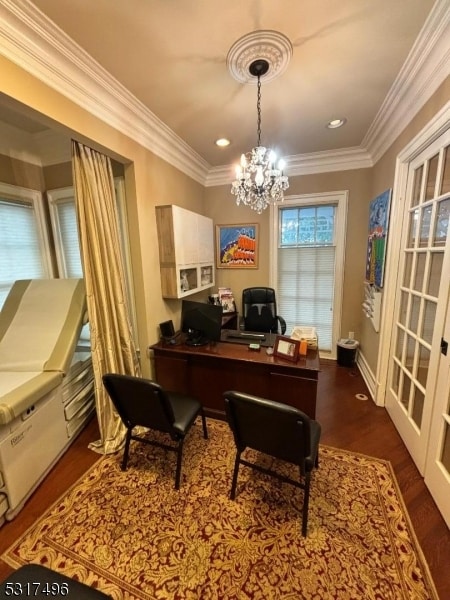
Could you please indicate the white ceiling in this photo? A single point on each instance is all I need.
(172, 56)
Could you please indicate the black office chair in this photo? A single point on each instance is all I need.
(141, 402)
(278, 430)
(259, 309)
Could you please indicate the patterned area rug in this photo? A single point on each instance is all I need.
(133, 536)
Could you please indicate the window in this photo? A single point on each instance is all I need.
(307, 268)
(24, 250)
(65, 232)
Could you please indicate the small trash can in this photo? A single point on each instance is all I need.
(346, 352)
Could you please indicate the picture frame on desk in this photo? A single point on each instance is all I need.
(237, 246)
(286, 348)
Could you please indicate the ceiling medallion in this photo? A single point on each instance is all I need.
(271, 46)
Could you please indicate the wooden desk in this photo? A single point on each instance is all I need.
(208, 371)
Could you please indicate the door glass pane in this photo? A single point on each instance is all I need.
(420, 272)
(417, 409)
(445, 186)
(409, 358)
(399, 344)
(415, 197)
(413, 220)
(414, 316)
(405, 390)
(396, 378)
(425, 226)
(407, 270)
(403, 308)
(434, 279)
(431, 179)
(441, 228)
(422, 369)
(428, 321)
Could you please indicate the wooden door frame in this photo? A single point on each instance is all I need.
(434, 129)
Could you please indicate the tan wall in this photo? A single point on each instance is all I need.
(221, 206)
(151, 181)
(17, 172)
(148, 179)
(383, 179)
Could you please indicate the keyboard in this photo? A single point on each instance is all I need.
(246, 335)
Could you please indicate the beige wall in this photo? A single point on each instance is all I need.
(17, 172)
(383, 179)
(221, 206)
(151, 181)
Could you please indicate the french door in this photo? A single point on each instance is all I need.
(418, 386)
(437, 467)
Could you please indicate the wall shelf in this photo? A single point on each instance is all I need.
(372, 304)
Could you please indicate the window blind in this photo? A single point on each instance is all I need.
(305, 289)
(20, 251)
(70, 245)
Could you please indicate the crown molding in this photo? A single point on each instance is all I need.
(425, 68)
(29, 39)
(32, 41)
(303, 164)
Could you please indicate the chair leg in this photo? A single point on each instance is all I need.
(306, 504)
(179, 461)
(126, 450)
(235, 475)
(205, 430)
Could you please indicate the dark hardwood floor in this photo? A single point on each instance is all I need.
(347, 422)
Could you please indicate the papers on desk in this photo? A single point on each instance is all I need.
(308, 334)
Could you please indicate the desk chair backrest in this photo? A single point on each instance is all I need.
(276, 429)
(259, 308)
(140, 402)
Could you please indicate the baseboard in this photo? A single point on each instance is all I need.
(366, 373)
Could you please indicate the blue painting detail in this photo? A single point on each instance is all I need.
(376, 244)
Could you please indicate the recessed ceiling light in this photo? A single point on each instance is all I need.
(335, 123)
(222, 142)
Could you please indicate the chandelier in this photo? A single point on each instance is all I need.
(259, 178)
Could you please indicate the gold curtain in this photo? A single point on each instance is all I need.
(113, 348)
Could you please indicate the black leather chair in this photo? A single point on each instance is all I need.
(278, 430)
(141, 402)
(259, 308)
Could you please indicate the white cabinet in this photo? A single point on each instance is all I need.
(186, 251)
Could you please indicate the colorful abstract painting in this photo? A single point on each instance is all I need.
(237, 246)
(376, 243)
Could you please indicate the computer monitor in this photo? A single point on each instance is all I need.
(202, 322)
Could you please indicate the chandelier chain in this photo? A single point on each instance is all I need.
(258, 105)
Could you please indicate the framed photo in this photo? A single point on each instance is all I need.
(237, 246)
(286, 347)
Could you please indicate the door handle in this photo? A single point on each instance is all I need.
(444, 346)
